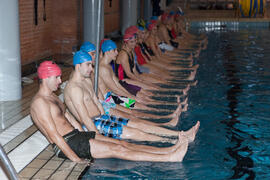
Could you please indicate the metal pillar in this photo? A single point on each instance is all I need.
(10, 57)
(93, 27)
(90, 21)
(138, 9)
(129, 14)
(148, 9)
(7, 166)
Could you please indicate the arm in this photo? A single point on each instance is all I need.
(45, 122)
(112, 82)
(123, 58)
(96, 101)
(156, 50)
(165, 35)
(73, 121)
(78, 103)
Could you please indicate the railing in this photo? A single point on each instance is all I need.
(7, 166)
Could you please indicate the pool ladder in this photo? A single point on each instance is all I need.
(7, 165)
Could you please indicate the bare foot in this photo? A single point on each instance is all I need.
(191, 133)
(185, 101)
(179, 154)
(175, 117)
(186, 90)
(178, 100)
(192, 75)
(195, 67)
(181, 140)
(194, 83)
(185, 108)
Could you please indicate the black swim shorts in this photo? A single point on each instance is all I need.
(78, 142)
(174, 44)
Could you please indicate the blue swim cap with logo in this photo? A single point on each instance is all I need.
(88, 47)
(81, 57)
(108, 45)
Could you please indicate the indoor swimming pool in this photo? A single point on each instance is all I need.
(232, 102)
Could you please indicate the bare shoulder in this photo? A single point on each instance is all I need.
(104, 70)
(122, 54)
(73, 87)
(38, 102)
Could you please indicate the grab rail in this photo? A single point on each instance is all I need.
(7, 165)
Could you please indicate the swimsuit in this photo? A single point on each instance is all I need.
(112, 98)
(110, 126)
(144, 48)
(107, 106)
(172, 36)
(120, 73)
(140, 69)
(132, 89)
(140, 58)
(78, 142)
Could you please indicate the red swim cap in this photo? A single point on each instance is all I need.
(151, 26)
(47, 69)
(128, 36)
(164, 16)
(131, 30)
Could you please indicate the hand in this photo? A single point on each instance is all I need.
(84, 161)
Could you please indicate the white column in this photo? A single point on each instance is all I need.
(10, 57)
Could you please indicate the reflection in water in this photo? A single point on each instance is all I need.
(244, 164)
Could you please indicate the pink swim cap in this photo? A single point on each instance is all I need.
(47, 69)
(164, 16)
(128, 36)
(131, 30)
(153, 21)
(151, 26)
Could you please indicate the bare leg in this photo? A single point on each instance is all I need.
(102, 149)
(135, 115)
(138, 135)
(144, 148)
(191, 133)
(160, 131)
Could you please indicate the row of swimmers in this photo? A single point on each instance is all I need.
(144, 73)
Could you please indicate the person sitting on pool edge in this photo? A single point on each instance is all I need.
(65, 133)
(82, 102)
(110, 88)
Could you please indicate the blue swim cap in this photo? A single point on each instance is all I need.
(88, 47)
(154, 18)
(81, 57)
(172, 13)
(141, 28)
(108, 45)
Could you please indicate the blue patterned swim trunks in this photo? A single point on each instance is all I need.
(110, 126)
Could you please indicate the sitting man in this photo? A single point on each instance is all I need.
(81, 100)
(109, 84)
(65, 133)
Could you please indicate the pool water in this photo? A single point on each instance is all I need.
(232, 101)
